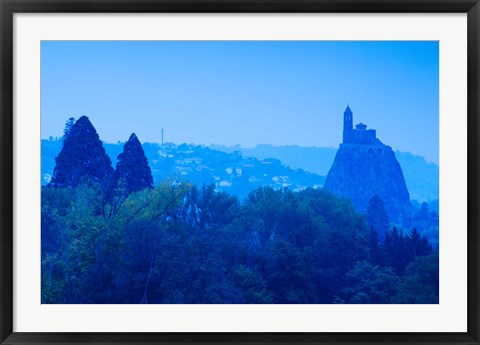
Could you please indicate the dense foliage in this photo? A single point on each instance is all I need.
(132, 167)
(177, 243)
(377, 217)
(110, 237)
(82, 156)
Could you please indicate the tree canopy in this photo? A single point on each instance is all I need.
(132, 167)
(377, 217)
(111, 237)
(177, 243)
(82, 158)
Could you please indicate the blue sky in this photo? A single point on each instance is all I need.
(245, 92)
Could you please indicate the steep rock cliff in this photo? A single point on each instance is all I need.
(361, 171)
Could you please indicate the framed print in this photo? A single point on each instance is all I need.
(253, 172)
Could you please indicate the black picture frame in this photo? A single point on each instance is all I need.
(9, 7)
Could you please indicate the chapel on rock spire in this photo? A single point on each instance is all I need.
(359, 135)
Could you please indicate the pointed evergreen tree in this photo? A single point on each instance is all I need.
(377, 217)
(132, 167)
(374, 248)
(68, 126)
(82, 158)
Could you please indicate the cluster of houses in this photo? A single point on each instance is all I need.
(228, 171)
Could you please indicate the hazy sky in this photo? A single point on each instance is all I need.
(245, 92)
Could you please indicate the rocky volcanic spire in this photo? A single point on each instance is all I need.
(364, 167)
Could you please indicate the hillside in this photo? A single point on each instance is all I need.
(317, 160)
(231, 172)
(421, 177)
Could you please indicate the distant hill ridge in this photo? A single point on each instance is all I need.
(229, 172)
(317, 160)
(421, 176)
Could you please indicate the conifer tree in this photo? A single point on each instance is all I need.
(82, 158)
(132, 167)
(377, 217)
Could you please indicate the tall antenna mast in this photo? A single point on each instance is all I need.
(162, 136)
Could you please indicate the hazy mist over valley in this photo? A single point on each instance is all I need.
(421, 176)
